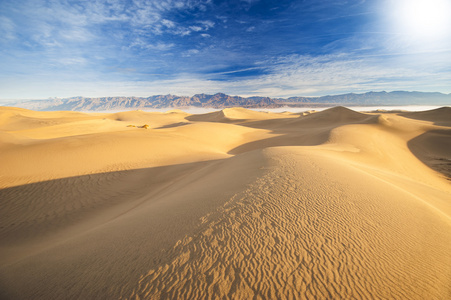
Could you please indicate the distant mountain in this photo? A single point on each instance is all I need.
(379, 98)
(220, 100)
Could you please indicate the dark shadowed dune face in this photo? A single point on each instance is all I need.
(440, 116)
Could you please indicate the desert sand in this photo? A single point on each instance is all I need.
(234, 204)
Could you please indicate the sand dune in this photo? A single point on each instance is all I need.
(233, 204)
(439, 116)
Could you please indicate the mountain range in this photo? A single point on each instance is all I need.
(220, 100)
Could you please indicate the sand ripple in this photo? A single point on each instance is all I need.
(282, 239)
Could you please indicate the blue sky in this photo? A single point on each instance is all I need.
(92, 48)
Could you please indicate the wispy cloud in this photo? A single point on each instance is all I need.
(207, 24)
(195, 28)
(190, 52)
(7, 29)
(287, 76)
(141, 44)
(53, 23)
(299, 74)
(243, 47)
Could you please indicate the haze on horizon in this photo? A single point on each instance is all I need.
(242, 47)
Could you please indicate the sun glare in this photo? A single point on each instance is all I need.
(425, 19)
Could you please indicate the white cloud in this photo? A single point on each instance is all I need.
(168, 23)
(161, 46)
(195, 28)
(71, 61)
(294, 75)
(182, 31)
(139, 43)
(7, 29)
(72, 35)
(53, 23)
(190, 52)
(207, 24)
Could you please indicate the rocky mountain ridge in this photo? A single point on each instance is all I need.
(220, 101)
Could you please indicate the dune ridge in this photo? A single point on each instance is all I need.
(233, 204)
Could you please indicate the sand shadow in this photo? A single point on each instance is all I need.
(433, 148)
(310, 130)
(440, 116)
(52, 211)
(173, 125)
(79, 237)
(215, 117)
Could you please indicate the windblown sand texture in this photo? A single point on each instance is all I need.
(233, 204)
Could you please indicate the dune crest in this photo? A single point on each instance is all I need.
(232, 204)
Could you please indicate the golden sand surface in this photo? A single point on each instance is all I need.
(233, 204)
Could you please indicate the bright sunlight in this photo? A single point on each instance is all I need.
(424, 19)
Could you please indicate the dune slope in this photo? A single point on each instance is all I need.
(233, 204)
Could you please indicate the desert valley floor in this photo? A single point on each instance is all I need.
(233, 204)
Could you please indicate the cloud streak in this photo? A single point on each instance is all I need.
(292, 75)
(268, 48)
